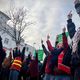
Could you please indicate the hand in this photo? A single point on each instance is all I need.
(69, 15)
(56, 37)
(64, 30)
(42, 41)
(48, 37)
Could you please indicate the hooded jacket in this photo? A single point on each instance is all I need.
(52, 58)
(64, 57)
(18, 59)
(33, 68)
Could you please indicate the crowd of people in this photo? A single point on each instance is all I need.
(61, 62)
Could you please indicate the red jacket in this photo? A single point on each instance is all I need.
(33, 69)
(48, 68)
(17, 64)
(50, 47)
(61, 66)
(65, 42)
(52, 59)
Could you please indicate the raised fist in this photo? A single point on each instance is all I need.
(42, 41)
(64, 29)
(48, 37)
(69, 15)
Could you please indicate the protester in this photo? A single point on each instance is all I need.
(47, 53)
(70, 25)
(61, 62)
(76, 54)
(64, 58)
(2, 55)
(17, 64)
(51, 60)
(74, 35)
(25, 68)
(5, 67)
(34, 69)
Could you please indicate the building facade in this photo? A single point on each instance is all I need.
(7, 40)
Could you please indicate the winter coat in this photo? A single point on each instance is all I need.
(71, 28)
(17, 64)
(67, 51)
(76, 40)
(25, 65)
(7, 61)
(52, 58)
(18, 59)
(65, 57)
(2, 53)
(33, 68)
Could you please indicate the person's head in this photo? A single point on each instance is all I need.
(77, 6)
(59, 45)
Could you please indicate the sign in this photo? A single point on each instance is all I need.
(40, 55)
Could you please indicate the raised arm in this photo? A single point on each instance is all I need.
(70, 26)
(56, 42)
(15, 52)
(65, 41)
(23, 53)
(50, 47)
(44, 48)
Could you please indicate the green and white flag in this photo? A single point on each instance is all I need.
(40, 55)
(60, 37)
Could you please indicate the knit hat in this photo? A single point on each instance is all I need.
(77, 6)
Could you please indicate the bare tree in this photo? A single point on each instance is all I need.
(17, 24)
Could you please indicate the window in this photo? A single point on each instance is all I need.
(6, 40)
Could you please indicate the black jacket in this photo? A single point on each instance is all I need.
(71, 28)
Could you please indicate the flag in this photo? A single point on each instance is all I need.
(40, 55)
(60, 37)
